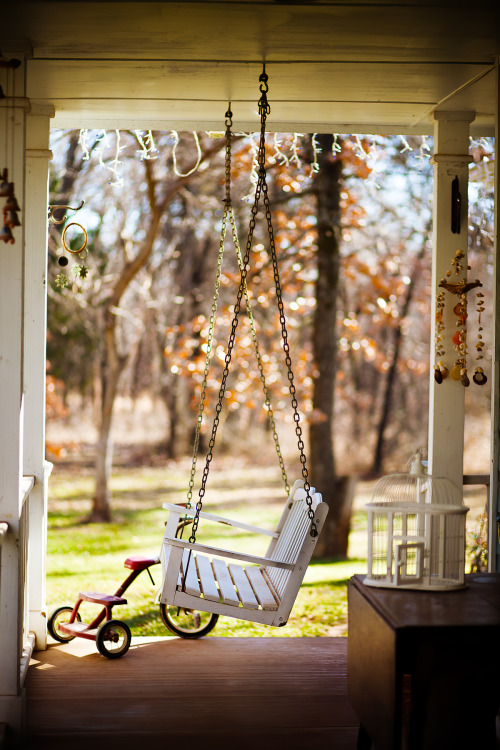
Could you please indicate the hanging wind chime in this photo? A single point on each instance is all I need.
(459, 290)
(81, 252)
(11, 207)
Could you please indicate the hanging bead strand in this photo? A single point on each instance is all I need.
(479, 377)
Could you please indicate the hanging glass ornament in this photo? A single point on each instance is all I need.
(61, 281)
(6, 234)
(5, 185)
(81, 271)
(479, 377)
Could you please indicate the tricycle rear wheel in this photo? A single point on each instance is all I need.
(113, 638)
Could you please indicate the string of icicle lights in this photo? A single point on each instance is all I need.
(108, 153)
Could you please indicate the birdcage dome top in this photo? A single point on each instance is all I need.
(416, 488)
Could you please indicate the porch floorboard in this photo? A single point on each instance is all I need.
(217, 692)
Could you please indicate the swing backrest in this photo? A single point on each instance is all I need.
(292, 542)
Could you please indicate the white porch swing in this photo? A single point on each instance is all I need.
(197, 578)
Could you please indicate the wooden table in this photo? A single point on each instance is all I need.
(423, 668)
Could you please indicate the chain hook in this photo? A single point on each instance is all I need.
(264, 108)
(263, 79)
(229, 117)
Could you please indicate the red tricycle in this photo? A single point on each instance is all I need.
(112, 636)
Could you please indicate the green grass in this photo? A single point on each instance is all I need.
(91, 556)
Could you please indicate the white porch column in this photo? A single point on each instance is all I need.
(35, 317)
(446, 407)
(494, 505)
(12, 134)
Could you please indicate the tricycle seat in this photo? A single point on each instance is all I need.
(140, 562)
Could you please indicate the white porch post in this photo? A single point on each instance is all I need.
(35, 316)
(494, 505)
(446, 407)
(12, 134)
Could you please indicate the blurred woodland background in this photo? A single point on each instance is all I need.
(128, 322)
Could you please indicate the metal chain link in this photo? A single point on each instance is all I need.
(258, 356)
(288, 360)
(261, 189)
(213, 312)
(229, 212)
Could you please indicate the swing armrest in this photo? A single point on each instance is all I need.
(219, 519)
(264, 561)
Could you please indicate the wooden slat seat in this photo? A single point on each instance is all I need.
(232, 584)
(198, 576)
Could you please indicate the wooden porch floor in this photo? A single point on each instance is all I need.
(216, 692)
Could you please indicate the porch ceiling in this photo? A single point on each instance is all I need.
(345, 67)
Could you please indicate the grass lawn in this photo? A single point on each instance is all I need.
(90, 556)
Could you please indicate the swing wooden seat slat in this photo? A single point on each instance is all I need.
(227, 591)
(207, 579)
(243, 586)
(262, 590)
(189, 575)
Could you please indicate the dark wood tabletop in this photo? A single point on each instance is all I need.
(477, 604)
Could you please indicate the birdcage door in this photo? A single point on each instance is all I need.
(409, 562)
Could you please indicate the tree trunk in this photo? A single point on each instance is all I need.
(112, 369)
(333, 541)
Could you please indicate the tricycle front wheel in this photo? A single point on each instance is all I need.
(187, 623)
(59, 616)
(113, 638)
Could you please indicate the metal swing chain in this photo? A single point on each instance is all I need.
(261, 188)
(279, 296)
(267, 395)
(229, 211)
(213, 312)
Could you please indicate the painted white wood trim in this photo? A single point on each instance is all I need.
(456, 159)
(12, 262)
(206, 550)
(29, 647)
(19, 102)
(447, 400)
(27, 484)
(4, 528)
(34, 362)
(219, 519)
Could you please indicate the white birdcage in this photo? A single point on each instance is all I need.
(416, 532)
